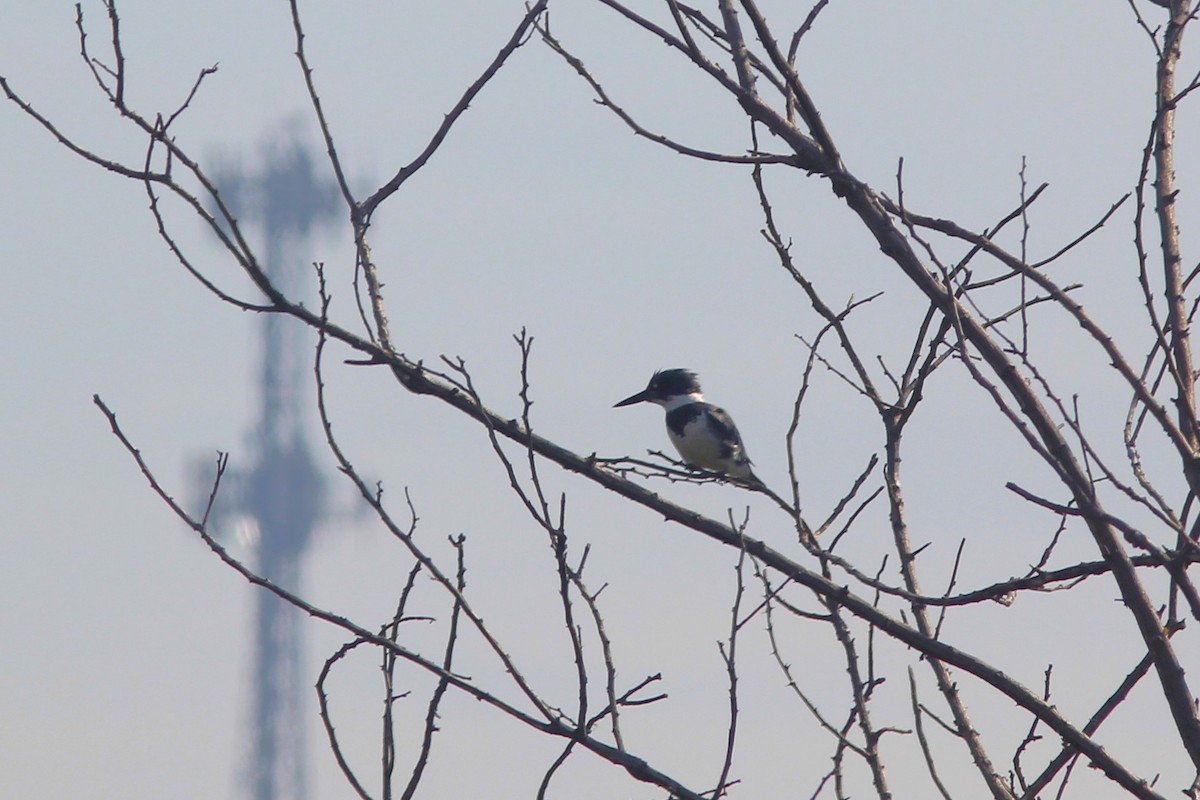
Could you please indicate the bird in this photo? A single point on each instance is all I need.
(704, 434)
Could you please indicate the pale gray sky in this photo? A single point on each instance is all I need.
(126, 642)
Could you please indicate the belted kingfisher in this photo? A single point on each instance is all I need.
(704, 435)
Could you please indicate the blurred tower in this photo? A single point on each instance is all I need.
(280, 498)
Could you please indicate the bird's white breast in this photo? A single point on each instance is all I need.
(700, 447)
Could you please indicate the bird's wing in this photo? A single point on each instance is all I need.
(722, 424)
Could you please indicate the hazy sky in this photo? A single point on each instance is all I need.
(126, 642)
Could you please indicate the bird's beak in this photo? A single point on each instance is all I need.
(640, 397)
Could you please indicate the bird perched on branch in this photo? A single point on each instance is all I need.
(704, 435)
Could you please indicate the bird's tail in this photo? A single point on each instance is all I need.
(755, 483)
